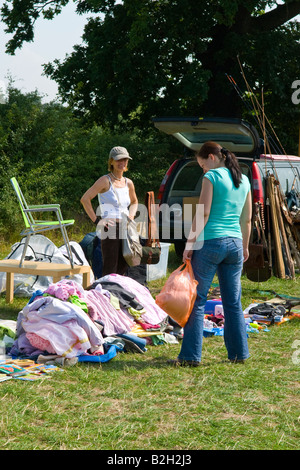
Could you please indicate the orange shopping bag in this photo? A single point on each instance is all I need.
(179, 293)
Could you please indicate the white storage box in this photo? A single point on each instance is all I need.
(159, 270)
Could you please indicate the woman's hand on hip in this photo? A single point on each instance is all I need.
(105, 223)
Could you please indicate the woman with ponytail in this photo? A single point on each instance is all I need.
(219, 245)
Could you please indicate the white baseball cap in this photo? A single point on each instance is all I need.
(117, 153)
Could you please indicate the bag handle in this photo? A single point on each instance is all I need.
(186, 265)
(152, 226)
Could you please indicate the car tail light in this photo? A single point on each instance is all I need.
(164, 182)
(258, 194)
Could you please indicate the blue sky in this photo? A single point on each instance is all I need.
(53, 40)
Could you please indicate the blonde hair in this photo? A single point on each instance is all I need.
(110, 166)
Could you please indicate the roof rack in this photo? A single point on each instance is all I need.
(279, 157)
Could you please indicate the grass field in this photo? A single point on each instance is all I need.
(138, 402)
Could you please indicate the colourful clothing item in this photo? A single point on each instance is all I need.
(58, 326)
(110, 206)
(113, 203)
(227, 205)
(100, 309)
(154, 314)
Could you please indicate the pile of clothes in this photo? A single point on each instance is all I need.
(69, 322)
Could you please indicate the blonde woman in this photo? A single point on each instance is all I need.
(116, 195)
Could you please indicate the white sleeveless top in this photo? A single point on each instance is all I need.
(110, 207)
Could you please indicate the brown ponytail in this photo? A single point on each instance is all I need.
(230, 159)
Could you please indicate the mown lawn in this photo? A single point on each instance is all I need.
(139, 402)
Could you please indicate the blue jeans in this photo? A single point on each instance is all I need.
(223, 256)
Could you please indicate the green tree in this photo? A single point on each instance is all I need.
(55, 157)
(141, 58)
(33, 137)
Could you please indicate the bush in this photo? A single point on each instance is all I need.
(56, 158)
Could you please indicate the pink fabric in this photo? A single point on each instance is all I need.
(64, 289)
(100, 308)
(154, 314)
(67, 339)
(147, 326)
(68, 329)
(40, 343)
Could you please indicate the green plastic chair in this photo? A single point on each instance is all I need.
(33, 226)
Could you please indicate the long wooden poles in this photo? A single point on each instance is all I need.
(283, 229)
(285, 250)
(275, 226)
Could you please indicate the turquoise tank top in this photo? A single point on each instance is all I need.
(227, 205)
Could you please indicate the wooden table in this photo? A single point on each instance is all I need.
(39, 268)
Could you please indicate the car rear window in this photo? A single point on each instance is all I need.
(196, 138)
(188, 182)
(287, 178)
(188, 177)
(245, 170)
